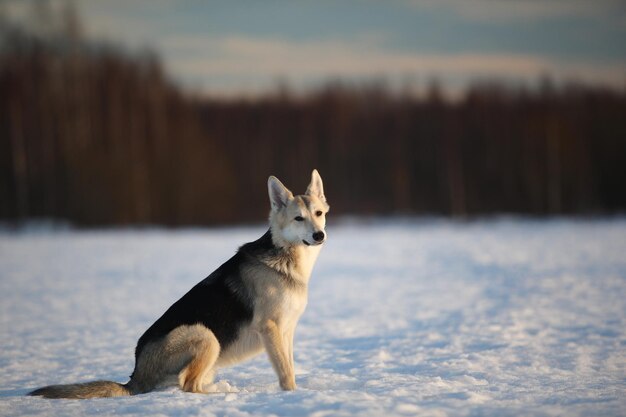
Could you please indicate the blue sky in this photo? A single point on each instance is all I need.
(246, 47)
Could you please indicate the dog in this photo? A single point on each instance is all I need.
(250, 304)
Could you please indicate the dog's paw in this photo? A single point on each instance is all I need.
(289, 385)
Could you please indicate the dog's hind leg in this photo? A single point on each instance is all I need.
(202, 348)
(204, 352)
(190, 352)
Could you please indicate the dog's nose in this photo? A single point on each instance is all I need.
(318, 236)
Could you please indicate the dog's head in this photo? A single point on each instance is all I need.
(298, 220)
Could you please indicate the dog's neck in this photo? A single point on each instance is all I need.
(294, 260)
(305, 260)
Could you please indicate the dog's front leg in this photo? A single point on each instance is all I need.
(288, 339)
(279, 356)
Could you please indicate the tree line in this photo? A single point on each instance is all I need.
(96, 135)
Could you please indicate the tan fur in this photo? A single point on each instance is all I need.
(277, 284)
(282, 289)
(273, 339)
(94, 389)
(187, 351)
(280, 303)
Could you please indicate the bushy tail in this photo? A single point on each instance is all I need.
(95, 389)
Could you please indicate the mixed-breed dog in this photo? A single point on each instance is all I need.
(248, 305)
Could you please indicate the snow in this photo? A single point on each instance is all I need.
(504, 317)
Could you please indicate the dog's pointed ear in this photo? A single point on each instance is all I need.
(279, 194)
(316, 187)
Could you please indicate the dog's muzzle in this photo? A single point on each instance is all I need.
(318, 239)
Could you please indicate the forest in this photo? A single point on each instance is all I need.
(97, 135)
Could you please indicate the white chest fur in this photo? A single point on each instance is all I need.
(290, 307)
(275, 300)
(306, 256)
(278, 300)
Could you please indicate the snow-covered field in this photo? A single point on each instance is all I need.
(425, 318)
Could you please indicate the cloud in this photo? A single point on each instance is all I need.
(232, 62)
(488, 10)
(243, 61)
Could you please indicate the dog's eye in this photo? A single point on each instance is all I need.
(298, 218)
(318, 213)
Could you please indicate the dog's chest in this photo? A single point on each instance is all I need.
(292, 304)
(282, 304)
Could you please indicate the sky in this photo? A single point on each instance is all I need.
(248, 47)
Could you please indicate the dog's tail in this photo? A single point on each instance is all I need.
(94, 389)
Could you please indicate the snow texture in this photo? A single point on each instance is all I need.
(505, 317)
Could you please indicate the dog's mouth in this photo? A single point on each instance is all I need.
(312, 244)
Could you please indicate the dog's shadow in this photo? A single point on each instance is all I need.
(18, 392)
